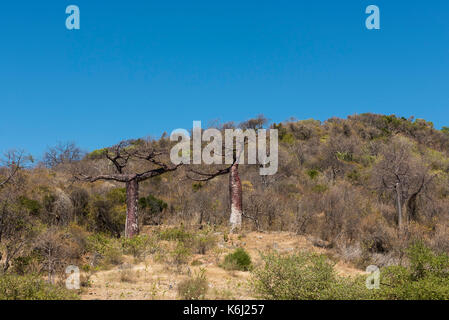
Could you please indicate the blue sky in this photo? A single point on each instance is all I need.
(138, 68)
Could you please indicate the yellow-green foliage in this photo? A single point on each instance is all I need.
(139, 246)
(29, 287)
(199, 242)
(426, 277)
(109, 249)
(303, 276)
(175, 234)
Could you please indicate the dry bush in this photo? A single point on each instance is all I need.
(194, 288)
(343, 206)
(128, 275)
(440, 239)
(55, 251)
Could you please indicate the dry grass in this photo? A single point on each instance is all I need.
(155, 278)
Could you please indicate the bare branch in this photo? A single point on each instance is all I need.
(208, 176)
(14, 162)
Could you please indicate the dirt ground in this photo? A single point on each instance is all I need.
(153, 279)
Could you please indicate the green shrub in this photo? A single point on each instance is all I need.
(304, 276)
(152, 209)
(175, 234)
(97, 154)
(13, 287)
(139, 246)
(180, 254)
(199, 243)
(152, 204)
(425, 263)
(117, 196)
(32, 206)
(194, 288)
(106, 216)
(238, 260)
(426, 277)
(312, 173)
(319, 188)
(26, 264)
(109, 249)
(204, 241)
(196, 262)
(196, 186)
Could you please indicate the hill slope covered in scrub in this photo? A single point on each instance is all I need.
(342, 183)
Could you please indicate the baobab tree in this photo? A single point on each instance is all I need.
(132, 162)
(235, 184)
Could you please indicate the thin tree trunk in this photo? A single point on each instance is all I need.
(132, 194)
(200, 222)
(235, 193)
(399, 205)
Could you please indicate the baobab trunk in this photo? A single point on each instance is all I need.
(132, 193)
(235, 193)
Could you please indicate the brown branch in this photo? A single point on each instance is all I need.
(209, 176)
(16, 166)
(156, 172)
(111, 177)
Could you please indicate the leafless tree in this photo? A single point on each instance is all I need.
(53, 251)
(62, 153)
(256, 123)
(401, 172)
(12, 162)
(15, 231)
(126, 159)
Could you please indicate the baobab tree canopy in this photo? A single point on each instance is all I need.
(129, 162)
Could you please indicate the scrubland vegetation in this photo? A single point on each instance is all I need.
(366, 190)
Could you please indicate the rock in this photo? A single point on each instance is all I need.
(317, 242)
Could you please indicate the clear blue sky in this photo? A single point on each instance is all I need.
(139, 68)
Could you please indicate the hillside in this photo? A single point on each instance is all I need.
(361, 190)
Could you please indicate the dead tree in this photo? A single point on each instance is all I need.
(125, 157)
(15, 231)
(13, 163)
(62, 153)
(400, 172)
